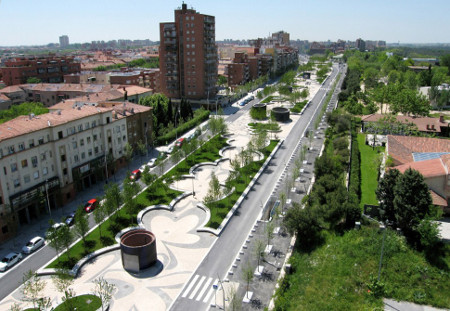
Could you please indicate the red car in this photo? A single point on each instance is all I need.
(179, 142)
(90, 205)
(135, 175)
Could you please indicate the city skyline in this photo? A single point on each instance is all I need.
(85, 21)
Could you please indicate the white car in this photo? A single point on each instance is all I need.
(55, 227)
(170, 149)
(152, 162)
(10, 260)
(33, 245)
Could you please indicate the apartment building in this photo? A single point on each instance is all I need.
(45, 160)
(49, 69)
(52, 93)
(64, 41)
(188, 55)
(245, 68)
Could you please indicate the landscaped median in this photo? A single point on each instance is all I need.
(158, 193)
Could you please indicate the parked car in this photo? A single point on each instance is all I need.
(33, 245)
(135, 175)
(242, 103)
(170, 149)
(91, 205)
(70, 219)
(179, 142)
(55, 227)
(10, 260)
(152, 162)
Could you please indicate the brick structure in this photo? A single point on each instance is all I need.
(49, 69)
(188, 55)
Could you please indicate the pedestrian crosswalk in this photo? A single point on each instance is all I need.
(200, 288)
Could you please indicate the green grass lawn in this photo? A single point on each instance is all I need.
(369, 173)
(220, 209)
(82, 303)
(268, 99)
(264, 126)
(338, 275)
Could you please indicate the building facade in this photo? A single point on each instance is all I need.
(45, 160)
(49, 69)
(188, 55)
(64, 41)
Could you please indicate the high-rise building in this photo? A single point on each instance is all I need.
(188, 55)
(64, 41)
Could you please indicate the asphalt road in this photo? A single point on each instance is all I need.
(196, 294)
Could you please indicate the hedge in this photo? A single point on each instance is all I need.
(355, 165)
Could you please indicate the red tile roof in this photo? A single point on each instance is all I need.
(424, 124)
(428, 168)
(437, 199)
(400, 148)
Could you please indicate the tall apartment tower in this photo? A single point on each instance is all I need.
(64, 41)
(188, 55)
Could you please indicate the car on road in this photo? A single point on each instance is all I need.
(242, 103)
(10, 260)
(179, 142)
(135, 175)
(33, 245)
(251, 98)
(152, 162)
(55, 227)
(70, 219)
(91, 205)
(170, 149)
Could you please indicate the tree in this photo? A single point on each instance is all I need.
(62, 281)
(412, 200)
(53, 239)
(104, 290)
(128, 154)
(282, 200)
(141, 148)
(66, 237)
(33, 80)
(99, 217)
(259, 250)
(148, 177)
(214, 187)
(113, 198)
(32, 290)
(81, 227)
(247, 274)
(385, 195)
(306, 223)
(130, 189)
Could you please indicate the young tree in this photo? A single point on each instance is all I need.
(32, 290)
(62, 281)
(104, 290)
(148, 177)
(113, 198)
(142, 148)
(53, 239)
(269, 231)
(247, 274)
(81, 227)
(385, 195)
(66, 237)
(99, 217)
(128, 154)
(214, 187)
(259, 250)
(130, 189)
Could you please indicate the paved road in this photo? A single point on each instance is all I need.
(198, 291)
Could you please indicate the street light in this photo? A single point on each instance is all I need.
(48, 201)
(193, 191)
(176, 129)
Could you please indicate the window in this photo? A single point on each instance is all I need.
(188, 46)
(45, 171)
(74, 145)
(119, 140)
(36, 175)
(65, 171)
(96, 150)
(187, 18)
(124, 138)
(94, 123)
(34, 161)
(95, 137)
(71, 130)
(83, 155)
(109, 139)
(192, 39)
(4, 170)
(43, 156)
(188, 39)
(16, 183)
(10, 149)
(41, 140)
(24, 163)
(90, 152)
(86, 126)
(192, 18)
(21, 146)
(108, 120)
(31, 143)
(123, 127)
(192, 25)
(63, 157)
(13, 167)
(80, 127)
(81, 142)
(26, 179)
(193, 52)
(192, 32)
(193, 46)
(88, 140)
(60, 135)
(76, 158)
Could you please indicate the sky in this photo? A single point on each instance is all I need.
(38, 22)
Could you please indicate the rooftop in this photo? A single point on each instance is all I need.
(424, 124)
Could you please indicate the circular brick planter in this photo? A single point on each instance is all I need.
(138, 250)
(280, 114)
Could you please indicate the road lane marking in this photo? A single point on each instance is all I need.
(197, 287)
(205, 287)
(190, 286)
(208, 296)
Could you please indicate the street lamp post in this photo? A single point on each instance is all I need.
(48, 201)
(176, 129)
(193, 191)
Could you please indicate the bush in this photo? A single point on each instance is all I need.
(355, 166)
(258, 114)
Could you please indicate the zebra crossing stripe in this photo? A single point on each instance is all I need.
(197, 287)
(205, 287)
(208, 296)
(190, 286)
